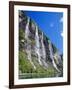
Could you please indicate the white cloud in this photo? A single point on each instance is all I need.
(62, 34)
(61, 19)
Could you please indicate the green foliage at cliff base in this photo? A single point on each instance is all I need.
(26, 70)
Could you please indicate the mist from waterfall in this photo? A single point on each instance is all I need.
(51, 56)
(28, 47)
(37, 45)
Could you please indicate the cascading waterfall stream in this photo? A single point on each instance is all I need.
(43, 51)
(28, 49)
(37, 46)
(51, 56)
(43, 48)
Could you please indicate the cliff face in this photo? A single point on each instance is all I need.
(37, 55)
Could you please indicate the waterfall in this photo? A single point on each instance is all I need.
(28, 47)
(37, 46)
(51, 56)
(43, 52)
(43, 48)
(57, 57)
(27, 29)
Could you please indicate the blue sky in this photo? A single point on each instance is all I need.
(51, 24)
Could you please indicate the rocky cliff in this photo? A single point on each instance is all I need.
(38, 57)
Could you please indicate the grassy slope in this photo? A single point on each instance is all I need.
(26, 67)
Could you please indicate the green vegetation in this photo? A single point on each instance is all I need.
(27, 70)
(21, 39)
(24, 64)
(21, 34)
